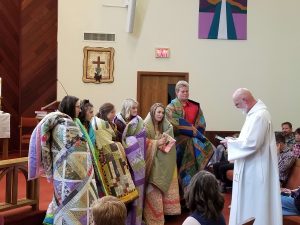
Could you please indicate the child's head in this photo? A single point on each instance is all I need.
(203, 195)
(109, 210)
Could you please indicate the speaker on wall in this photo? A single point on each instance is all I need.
(130, 16)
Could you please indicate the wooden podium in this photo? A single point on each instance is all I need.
(51, 107)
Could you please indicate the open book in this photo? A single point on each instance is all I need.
(170, 141)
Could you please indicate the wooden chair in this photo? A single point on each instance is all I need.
(27, 124)
(249, 221)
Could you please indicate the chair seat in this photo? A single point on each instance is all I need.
(291, 220)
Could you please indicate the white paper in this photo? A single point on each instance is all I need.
(219, 138)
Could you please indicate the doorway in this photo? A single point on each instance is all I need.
(155, 87)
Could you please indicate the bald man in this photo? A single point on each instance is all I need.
(256, 185)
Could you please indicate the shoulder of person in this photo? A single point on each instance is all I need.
(190, 221)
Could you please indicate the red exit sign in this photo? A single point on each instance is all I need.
(162, 52)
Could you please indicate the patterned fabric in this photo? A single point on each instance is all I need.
(134, 143)
(159, 165)
(158, 204)
(99, 176)
(290, 140)
(162, 193)
(66, 160)
(286, 161)
(35, 168)
(193, 149)
(296, 150)
(113, 163)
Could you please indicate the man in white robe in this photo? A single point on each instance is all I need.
(256, 188)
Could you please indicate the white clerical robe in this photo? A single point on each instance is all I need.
(256, 188)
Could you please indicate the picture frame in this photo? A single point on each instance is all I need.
(98, 65)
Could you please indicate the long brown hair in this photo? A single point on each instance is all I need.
(203, 195)
(85, 105)
(67, 105)
(152, 114)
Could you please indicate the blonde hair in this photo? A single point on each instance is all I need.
(109, 210)
(126, 107)
(180, 84)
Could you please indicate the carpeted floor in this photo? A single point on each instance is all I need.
(25, 216)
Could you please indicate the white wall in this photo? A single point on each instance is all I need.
(267, 63)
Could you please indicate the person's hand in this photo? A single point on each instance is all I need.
(225, 141)
(285, 190)
(161, 141)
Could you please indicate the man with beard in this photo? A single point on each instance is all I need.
(287, 132)
(255, 181)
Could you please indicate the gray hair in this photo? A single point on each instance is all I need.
(180, 84)
(126, 107)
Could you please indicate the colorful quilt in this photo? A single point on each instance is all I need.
(112, 162)
(58, 147)
(134, 142)
(193, 149)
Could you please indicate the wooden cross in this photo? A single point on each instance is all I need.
(98, 74)
(98, 62)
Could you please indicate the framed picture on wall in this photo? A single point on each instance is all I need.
(98, 65)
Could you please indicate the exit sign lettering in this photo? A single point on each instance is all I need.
(162, 52)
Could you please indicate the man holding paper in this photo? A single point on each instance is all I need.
(256, 185)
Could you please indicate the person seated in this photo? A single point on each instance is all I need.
(296, 146)
(290, 200)
(205, 201)
(287, 132)
(218, 155)
(220, 168)
(286, 159)
(109, 210)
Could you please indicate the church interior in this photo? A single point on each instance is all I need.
(106, 51)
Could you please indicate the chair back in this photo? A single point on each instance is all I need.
(249, 221)
(28, 122)
(294, 178)
(27, 125)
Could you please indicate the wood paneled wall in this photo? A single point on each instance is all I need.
(38, 55)
(28, 55)
(9, 61)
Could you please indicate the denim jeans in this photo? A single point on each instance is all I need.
(288, 206)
